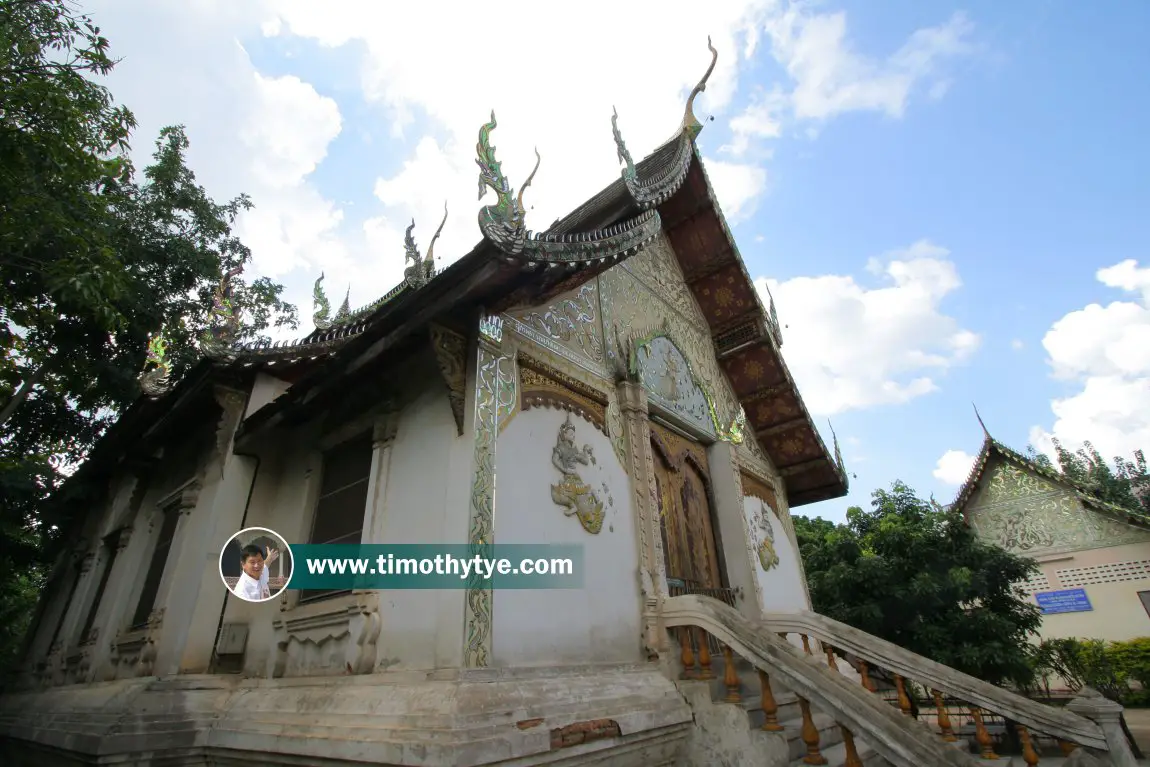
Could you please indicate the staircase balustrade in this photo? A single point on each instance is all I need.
(891, 728)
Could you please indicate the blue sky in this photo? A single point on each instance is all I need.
(935, 193)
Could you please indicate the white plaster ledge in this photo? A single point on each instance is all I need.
(361, 719)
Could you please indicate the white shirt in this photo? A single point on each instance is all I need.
(251, 589)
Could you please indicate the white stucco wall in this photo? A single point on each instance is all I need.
(412, 511)
(601, 621)
(781, 587)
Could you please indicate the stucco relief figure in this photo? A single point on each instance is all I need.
(572, 493)
(768, 558)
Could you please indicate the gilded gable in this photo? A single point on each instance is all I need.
(1028, 514)
(645, 298)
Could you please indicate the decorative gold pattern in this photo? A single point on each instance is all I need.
(572, 322)
(543, 387)
(451, 352)
(635, 309)
(494, 393)
(1028, 514)
(572, 493)
(658, 269)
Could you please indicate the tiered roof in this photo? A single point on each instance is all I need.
(511, 266)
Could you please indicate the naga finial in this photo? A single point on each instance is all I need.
(410, 249)
(223, 319)
(155, 381)
(507, 212)
(429, 261)
(624, 156)
(322, 307)
(691, 124)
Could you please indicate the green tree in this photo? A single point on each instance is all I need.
(1127, 484)
(94, 257)
(915, 574)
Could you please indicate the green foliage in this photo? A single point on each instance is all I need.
(1127, 484)
(93, 258)
(1108, 667)
(915, 574)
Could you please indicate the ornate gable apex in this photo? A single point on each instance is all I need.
(993, 449)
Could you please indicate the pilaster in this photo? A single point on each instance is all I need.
(192, 591)
(632, 398)
(382, 441)
(494, 396)
(734, 532)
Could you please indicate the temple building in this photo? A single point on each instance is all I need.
(614, 382)
(1094, 556)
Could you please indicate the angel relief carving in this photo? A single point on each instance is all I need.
(572, 493)
(768, 557)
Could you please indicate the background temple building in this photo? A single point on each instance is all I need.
(629, 332)
(1094, 556)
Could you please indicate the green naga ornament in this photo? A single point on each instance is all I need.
(501, 223)
(223, 319)
(155, 378)
(321, 314)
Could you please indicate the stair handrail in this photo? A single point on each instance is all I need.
(902, 741)
(1040, 717)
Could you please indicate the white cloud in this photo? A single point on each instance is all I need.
(265, 134)
(1104, 350)
(831, 78)
(851, 346)
(953, 467)
(1017, 344)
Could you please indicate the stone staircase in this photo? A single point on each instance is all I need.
(760, 697)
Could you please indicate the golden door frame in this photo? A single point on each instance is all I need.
(692, 547)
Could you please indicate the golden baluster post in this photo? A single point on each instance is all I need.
(903, 699)
(943, 718)
(770, 707)
(1029, 754)
(864, 674)
(810, 735)
(981, 735)
(830, 651)
(704, 655)
(731, 676)
(1067, 747)
(688, 657)
(806, 644)
(852, 759)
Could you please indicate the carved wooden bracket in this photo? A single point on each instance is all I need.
(451, 355)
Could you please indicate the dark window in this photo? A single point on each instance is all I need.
(1145, 597)
(111, 548)
(156, 569)
(342, 499)
(75, 584)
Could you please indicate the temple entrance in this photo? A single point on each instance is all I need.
(682, 492)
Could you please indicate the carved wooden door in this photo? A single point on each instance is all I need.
(684, 511)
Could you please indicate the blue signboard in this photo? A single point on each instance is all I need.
(1069, 601)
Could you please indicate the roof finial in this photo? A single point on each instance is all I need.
(691, 124)
(838, 452)
(980, 423)
(429, 261)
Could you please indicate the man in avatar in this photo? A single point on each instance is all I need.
(252, 585)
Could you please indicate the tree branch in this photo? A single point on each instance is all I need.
(22, 393)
